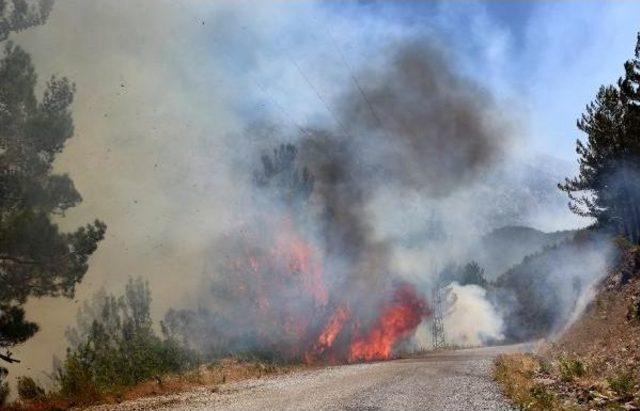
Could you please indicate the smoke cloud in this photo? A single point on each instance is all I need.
(440, 136)
(412, 163)
(469, 318)
(422, 124)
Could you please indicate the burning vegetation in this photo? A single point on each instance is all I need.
(285, 294)
(305, 273)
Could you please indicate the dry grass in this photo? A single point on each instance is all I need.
(210, 376)
(517, 375)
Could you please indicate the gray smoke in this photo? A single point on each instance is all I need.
(420, 123)
(413, 124)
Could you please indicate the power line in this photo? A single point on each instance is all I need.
(364, 95)
(317, 93)
(357, 83)
(281, 109)
(272, 99)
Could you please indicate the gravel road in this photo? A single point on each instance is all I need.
(447, 380)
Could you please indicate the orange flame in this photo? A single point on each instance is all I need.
(286, 299)
(398, 320)
(329, 334)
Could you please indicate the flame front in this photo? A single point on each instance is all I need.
(398, 320)
(290, 305)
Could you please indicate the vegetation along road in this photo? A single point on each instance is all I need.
(446, 380)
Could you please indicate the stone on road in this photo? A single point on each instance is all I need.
(446, 380)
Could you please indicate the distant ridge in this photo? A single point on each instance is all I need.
(507, 246)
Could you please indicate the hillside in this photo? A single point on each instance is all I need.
(542, 292)
(595, 362)
(504, 247)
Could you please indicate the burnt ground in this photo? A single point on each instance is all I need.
(445, 380)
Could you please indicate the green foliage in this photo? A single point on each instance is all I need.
(76, 379)
(114, 345)
(633, 313)
(608, 185)
(623, 383)
(542, 290)
(516, 375)
(545, 366)
(571, 368)
(28, 389)
(36, 259)
(18, 15)
(14, 328)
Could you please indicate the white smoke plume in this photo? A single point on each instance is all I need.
(469, 317)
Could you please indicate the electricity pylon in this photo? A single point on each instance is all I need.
(437, 325)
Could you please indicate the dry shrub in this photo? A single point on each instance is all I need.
(571, 368)
(623, 383)
(28, 389)
(515, 373)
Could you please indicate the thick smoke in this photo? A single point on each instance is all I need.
(412, 125)
(420, 124)
(470, 319)
(548, 290)
(408, 158)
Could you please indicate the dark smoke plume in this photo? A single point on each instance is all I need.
(413, 125)
(421, 124)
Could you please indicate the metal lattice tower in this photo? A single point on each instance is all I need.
(437, 324)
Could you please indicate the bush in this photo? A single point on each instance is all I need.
(633, 313)
(28, 389)
(4, 387)
(545, 366)
(622, 383)
(571, 369)
(114, 345)
(544, 399)
(76, 380)
(516, 374)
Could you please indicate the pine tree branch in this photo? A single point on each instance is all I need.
(8, 358)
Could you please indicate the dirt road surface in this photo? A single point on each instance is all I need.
(447, 380)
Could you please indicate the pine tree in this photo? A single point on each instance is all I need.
(18, 15)
(472, 273)
(607, 187)
(36, 258)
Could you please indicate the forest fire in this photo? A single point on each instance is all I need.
(294, 309)
(397, 320)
